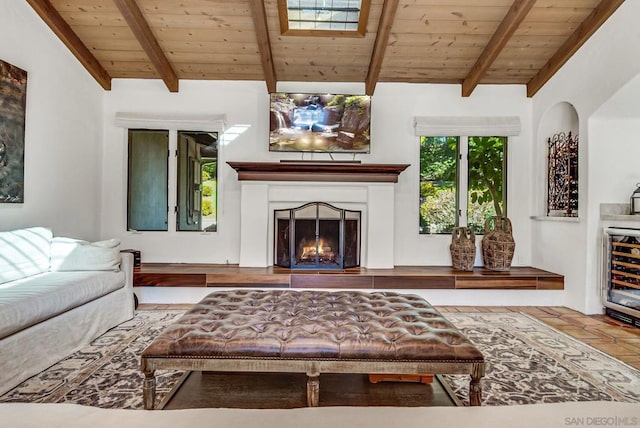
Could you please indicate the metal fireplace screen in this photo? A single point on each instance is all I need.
(317, 236)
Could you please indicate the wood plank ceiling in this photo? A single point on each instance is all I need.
(468, 42)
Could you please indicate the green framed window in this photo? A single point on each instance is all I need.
(197, 181)
(147, 183)
(153, 175)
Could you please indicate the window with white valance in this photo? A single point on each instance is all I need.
(467, 126)
(171, 154)
(463, 162)
(185, 121)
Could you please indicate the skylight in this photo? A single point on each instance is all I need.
(324, 17)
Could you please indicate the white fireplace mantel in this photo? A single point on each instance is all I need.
(262, 194)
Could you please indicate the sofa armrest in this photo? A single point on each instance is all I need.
(126, 265)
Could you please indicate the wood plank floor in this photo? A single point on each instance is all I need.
(288, 391)
(610, 336)
(619, 340)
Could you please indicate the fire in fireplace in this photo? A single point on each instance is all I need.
(317, 235)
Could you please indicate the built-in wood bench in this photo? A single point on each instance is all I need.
(400, 277)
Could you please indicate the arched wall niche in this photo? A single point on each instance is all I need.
(561, 117)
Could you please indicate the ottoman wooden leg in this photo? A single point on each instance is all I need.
(313, 390)
(475, 389)
(149, 390)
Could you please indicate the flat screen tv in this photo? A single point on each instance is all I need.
(319, 123)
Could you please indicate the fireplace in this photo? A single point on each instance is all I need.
(317, 235)
(269, 186)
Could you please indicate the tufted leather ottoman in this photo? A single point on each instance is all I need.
(313, 332)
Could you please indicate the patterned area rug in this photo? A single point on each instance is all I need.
(531, 362)
(528, 362)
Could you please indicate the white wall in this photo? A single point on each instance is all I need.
(561, 117)
(394, 107)
(615, 168)
(616, 158)
(170, 295)
(63, 135)
(69, 189)
(609, 59)
(242, 103)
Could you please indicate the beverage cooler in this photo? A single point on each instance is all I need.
(621, 279)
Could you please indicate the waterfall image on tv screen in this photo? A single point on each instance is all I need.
(319, 123)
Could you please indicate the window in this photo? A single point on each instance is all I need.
(147, 204)
(324, 17)
(462, 182)
(438, 172)
(197, 181)
(196, 186)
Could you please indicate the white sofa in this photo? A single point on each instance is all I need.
(576, 414)
(56, 295)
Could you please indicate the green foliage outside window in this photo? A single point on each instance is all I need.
(209, 171)
(486, 180)
(439, 182)
(207, 207)
(209, 195)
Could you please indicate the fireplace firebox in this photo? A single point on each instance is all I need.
(317, 235)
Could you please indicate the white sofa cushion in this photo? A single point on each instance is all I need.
(24, 253)
(28, 301)
(69, 254)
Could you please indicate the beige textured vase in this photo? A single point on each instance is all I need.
(463, 248)
(498, 244)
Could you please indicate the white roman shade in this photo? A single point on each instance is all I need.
(476, 126)
(191, 122)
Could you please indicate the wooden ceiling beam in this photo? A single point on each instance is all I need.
(518, 11)
(590, 25)
(380, 45)
(140, 28)
(71, 40)
(259, 15)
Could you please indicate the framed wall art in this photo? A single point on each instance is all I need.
(13, 96)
